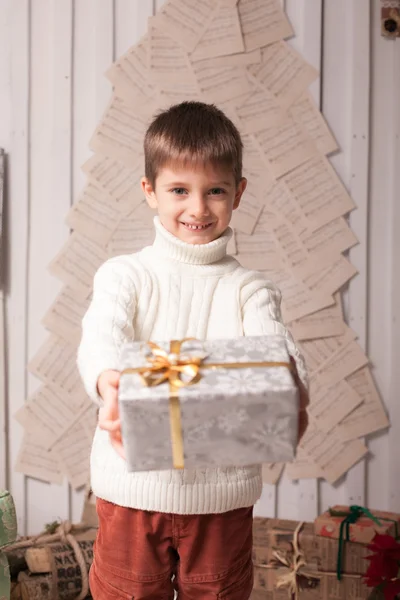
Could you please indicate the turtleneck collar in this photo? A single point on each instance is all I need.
(170, 247)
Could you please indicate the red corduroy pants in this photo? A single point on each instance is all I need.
(142, 555)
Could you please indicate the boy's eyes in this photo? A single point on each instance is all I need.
(213, 191)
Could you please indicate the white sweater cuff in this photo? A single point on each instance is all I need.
(91, 373)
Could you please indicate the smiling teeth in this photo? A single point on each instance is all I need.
(197, 226)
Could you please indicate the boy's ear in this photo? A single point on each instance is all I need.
(239, 192)
(149, 192)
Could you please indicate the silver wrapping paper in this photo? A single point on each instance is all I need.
(231, 417)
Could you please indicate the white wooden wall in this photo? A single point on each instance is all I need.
(52, 92)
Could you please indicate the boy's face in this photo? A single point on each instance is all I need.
(194, 203)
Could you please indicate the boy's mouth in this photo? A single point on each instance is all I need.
(196, 227)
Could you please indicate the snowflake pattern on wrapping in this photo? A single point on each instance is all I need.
(230, 418)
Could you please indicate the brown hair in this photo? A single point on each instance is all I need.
(192, 132)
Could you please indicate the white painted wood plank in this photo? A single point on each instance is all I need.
(5, 111)
(380, 326)
(306, 19)
(3, 399)
(62, 85)
(335, 107)
(84, 90)
(310, 22)
(87, 83)
(3, 411)
(393, 398)
(359, 17)
(145, 9)
(336, 76)
(5, 58)
(282, 499)
(287, 500)
(125, 25)
(50, 198)
(359, 23)
(130, 22)
(267, 505)
(17, 226)
(104, 20)
(39, 282)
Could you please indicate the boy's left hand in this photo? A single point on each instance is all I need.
(109, 414)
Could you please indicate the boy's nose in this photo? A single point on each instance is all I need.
(199, 207)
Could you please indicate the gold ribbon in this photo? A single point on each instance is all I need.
(296, 567)
(182, 371)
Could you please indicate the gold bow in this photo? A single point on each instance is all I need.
(181, 371)
(171, 367)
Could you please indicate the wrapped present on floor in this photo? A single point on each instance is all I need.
(57, 563)
(214, 403)
(290, 560)
(357, 524)
(45, 587)
(8, 534)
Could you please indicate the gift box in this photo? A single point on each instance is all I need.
(56, 563)
(324, 587)
(356, 523)
(289, 557)
(216, 403)
(8, 534)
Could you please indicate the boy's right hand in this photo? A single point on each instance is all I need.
(107, 385)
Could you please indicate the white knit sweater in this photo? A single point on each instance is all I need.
(173, 290)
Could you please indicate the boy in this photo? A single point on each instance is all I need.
(187, 530)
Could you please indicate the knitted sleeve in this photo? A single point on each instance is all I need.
(261, 315)
(107, 324)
